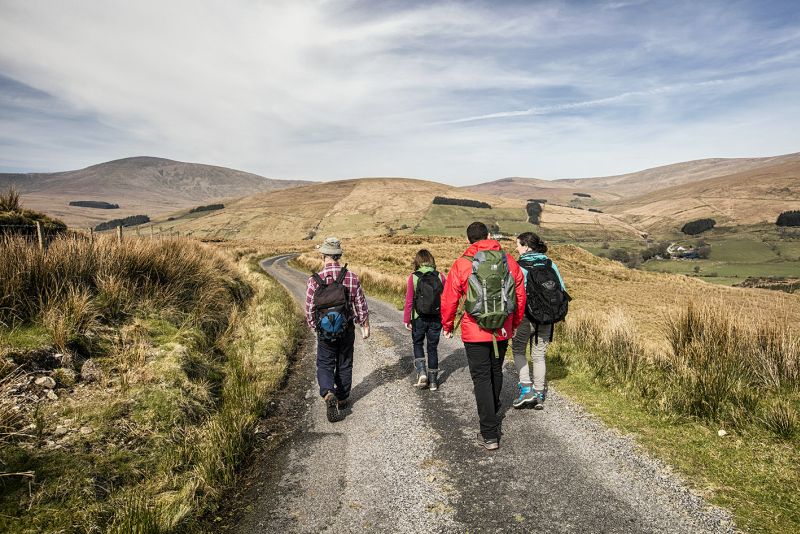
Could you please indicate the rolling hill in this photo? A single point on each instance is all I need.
(140, 185)
(753, 196)
(610, 189)
(376, 206)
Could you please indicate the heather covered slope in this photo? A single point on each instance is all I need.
(140, 185)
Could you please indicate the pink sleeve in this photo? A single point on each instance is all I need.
(409, 300)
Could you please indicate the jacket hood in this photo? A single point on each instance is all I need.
(533, 256)
(483, 244)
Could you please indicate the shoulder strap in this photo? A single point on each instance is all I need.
(320, 282)
(342, 274)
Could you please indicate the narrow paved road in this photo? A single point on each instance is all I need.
(405, 460)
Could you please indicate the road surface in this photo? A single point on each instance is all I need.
(405, 460)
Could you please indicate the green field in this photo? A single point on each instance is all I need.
(733, 259)
(453, 220)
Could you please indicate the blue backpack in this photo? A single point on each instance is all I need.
(331, 307)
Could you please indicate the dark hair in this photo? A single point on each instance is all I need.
(477, 231)
(532, 241)
(424, 257)
(334, 257)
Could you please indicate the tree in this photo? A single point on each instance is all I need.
(698, 226)
(789, 218)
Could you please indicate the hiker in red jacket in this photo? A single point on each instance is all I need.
(485, 348)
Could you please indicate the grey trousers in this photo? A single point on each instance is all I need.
(519, 346)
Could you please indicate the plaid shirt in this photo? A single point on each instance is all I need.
(355, 293)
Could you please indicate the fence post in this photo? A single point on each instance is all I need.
(119, 234)
(152, 231)
(39, 235)
(91, 235)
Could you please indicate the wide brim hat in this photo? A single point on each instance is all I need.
(331, 246)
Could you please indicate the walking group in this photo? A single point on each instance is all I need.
(504, 299)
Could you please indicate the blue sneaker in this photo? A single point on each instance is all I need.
(526, 396)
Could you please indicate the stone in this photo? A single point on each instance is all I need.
(51, 395)
(86, 430)
(91, 371)
(60, 430)
(66, 360)
(721, 433)
(46, 382)
(65, 377)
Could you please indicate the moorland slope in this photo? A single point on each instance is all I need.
(140, 185)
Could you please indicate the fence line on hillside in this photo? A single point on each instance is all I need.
(44, 233)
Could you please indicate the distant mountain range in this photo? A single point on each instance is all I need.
(732, 191)
(140, 185)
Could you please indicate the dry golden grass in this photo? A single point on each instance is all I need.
(596, 284)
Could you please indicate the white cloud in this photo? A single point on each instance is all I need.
(322, 89)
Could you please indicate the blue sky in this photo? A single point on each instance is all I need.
(459, 92)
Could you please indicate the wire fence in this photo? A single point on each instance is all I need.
(44, 233)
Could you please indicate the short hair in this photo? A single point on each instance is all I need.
(424, 257)
(477, 231)
(334, 257)
(532, 241)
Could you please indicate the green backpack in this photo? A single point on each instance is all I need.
(491, 296)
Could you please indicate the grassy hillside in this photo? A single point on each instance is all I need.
(610, 188)
(380, 206)
(151, 186)
(750, 197)
(131, 379)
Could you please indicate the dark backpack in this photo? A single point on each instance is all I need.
(331, 307)
(428, 294)
(547, 303)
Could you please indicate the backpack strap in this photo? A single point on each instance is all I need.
(320, 282)
(342, 274)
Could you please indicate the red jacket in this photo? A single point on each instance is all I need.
(456, 287)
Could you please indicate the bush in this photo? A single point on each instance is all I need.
(789, 218)
(583, 195)
(133, 220)
(534, 210)
(698, 226)
(659, 249)
(210, 207)
(595, 210)
(97, 204)
(460, 202)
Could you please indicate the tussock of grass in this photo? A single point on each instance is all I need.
(190, 346)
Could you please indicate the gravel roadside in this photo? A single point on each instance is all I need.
(405, 460)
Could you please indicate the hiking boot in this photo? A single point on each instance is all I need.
(539, 401)
(433, 382)
(527, 395)
(341, 404)
(490, 444)
(332, 408)
(422, 380)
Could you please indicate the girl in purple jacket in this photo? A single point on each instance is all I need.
(422, 316)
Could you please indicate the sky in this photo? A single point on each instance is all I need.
(457, 92)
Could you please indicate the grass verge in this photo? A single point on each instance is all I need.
(165, 353)
(720, 406)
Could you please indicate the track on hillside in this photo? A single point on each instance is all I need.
(405, 460)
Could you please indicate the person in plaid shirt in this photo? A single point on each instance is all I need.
(335, 358)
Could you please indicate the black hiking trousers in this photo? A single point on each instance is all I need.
(487, 378)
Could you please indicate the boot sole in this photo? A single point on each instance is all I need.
(522, 404)
(332, 410)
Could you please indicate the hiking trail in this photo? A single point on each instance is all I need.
(405, 460)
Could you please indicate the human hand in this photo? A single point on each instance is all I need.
(364, 331)
(448, 335)
(408, 326)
